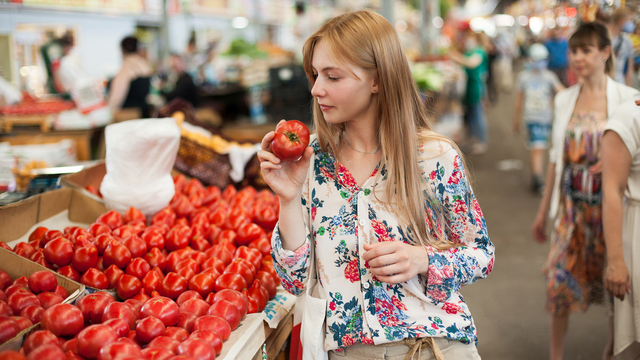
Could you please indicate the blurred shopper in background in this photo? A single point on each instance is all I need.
(575, 265)
(70, 70)
(508, 49)
(130, 87)
(492, 55)
(536, 87)
(184, 87)
(621, 221)
(474, 59)
(620, 25)
(558, 54)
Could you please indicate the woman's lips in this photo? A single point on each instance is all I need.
(325, 107)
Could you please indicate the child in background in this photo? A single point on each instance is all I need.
(536, 86)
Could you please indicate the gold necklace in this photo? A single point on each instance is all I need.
(354, 149)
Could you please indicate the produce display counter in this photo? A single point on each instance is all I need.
(82, 138)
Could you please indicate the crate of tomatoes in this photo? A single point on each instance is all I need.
(186, 277)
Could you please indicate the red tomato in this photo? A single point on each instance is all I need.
(290, 141)
(230, 281)
(70, 346)
(212, 194)
(133, 214)
(8, 328)
(117, 254)
(164, 216)
(119, 350)
(49, 352)
(80, 233)
(202, 284)
(183, 207)
(138, 226)
(252, 255)
(236, 298)
(153, 238)
(149, 328)
(214, 232)
(188, 295)
(98, 229)
(141, 296)
(93, 338)
(172, 286)
(62, 320)
(6, 310)
(28, 249)
(112, 219)
(32, 312)
(38, 257)
(228, 311)
(48, 299)
(199, 243)
(257, 292)
(152, 281)
(118, 310)
(155, 259)
(217, 217)
(197, 349)
(221, 253)
(210, 338)
(187, 263)
(164, 342)
(261, 244)
(41, 281)
(154, 353)
(138, 267)
(119, 326)
(247, 233)
(102, 241)
(59, 251)
(213, 262)
(92, 307)
(3, 296)
(5, 279)
(113, 273)
(21, 300)
(37, 233)
(186, 320)
(228, 245)
(23, 323)
(177, 333)
(213, 323)
(242, 267)
(163, 308)
(85, 258)
(136, 246)
(16, 288)
(48, 236)
(128, 286)
(253, 303)
(123, 232)
(39, 338)
(197, 307)
(177, 238)
(95, 278)
(267, 282)
(266, 217)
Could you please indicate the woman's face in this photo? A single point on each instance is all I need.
(341, 95)
(588, 60)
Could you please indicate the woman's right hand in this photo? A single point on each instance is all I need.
(285, 178)
(539, 228)
(616, 279)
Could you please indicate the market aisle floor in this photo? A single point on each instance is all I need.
(508, 306)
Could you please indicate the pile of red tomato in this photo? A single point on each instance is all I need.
(38, 108)
(207, 246)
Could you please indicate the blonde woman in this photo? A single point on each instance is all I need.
(576, 258)
(395, 226)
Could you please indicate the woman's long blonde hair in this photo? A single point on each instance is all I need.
(369, 41)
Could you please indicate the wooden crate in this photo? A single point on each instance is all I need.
(43, 121)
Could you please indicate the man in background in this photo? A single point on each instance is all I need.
(558, 48)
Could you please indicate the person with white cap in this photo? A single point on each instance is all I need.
(536, 86)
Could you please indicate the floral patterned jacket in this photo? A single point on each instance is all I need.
(345, 216)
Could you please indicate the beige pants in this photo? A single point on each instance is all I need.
(451, 349)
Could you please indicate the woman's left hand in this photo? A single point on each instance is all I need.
(395, 261)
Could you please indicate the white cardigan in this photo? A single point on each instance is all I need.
(564, 103)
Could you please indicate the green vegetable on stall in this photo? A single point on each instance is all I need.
(241, 47)
(427, 78)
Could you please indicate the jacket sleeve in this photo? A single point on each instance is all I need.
(464, 224)
(292, 266)
(556, 131)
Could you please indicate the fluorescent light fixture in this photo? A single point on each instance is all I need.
(239, 22)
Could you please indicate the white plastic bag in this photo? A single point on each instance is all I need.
(140, 156)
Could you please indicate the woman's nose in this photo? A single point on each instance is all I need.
(317, 89)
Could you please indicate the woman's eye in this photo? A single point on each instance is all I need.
(333, 78)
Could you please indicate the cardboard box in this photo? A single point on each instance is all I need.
(91, 176)
(55, 209)
(17, 266)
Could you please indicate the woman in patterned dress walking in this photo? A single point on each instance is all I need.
(576, 260)
(385, 205)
